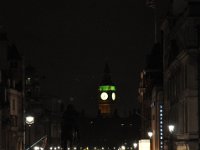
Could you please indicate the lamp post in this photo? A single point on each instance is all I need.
(171, 128)
(150, 134)
(29, 122)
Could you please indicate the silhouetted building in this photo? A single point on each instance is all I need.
(107, 94)
(69, 126)
(181, 74)
(108, 129)
(11, 98)
(19, 97)
(150, 96)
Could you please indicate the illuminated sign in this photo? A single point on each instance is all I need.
(107, 88)
(144, 144)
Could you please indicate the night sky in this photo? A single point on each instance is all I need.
(69, 42)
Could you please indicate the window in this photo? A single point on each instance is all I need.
(13, 105)
(185, 76)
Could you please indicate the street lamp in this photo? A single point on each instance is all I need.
(135, 145)
(29, 121)
(150, 134)
(171, 128)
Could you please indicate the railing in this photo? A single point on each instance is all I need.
(42, 138)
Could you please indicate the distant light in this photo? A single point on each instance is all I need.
(122, 124)
(135, 145)
(29, 120)
(171, 128)
(123, 147)
(36, 148)
(150, 134)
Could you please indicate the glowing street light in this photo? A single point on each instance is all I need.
(135, 145)
(171, 128)
(150, 134)
(29, 122)
(123, 147)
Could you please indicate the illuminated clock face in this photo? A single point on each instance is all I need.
(113, 96)
(104, 96)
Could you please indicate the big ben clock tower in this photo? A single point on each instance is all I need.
(106, 94)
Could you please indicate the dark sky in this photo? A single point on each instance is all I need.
(70, 41)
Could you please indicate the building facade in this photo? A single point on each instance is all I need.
(157, 118)
(19, 97)
(181, 73)
(11, 99)
(150, 82)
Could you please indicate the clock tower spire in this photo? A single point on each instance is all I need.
(106, 92)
